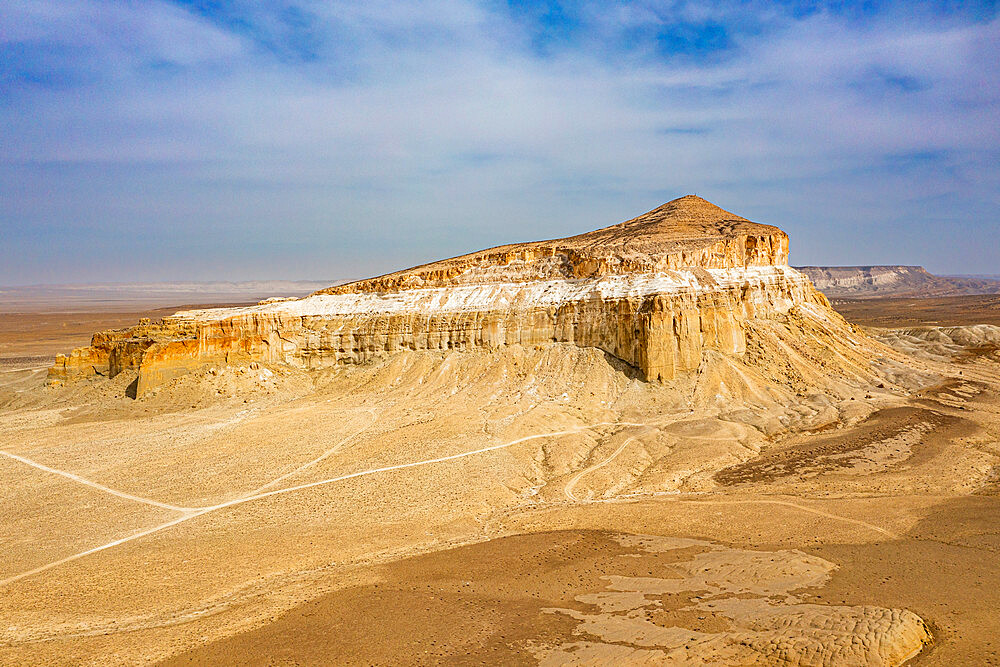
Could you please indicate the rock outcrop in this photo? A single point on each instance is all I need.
(878, 281)
(657, 292)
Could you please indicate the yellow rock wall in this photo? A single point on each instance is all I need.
(546, 261)
(661, 335)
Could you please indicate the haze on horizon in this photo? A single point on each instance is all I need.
(197, 140)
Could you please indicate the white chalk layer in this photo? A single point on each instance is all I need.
(506, 296)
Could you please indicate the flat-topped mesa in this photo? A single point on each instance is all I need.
(684, 233)
(116, 350)
(656, 291)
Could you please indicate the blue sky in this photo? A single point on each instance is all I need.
(201, 140)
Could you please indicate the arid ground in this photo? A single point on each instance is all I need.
(528, 506)
(932, 311)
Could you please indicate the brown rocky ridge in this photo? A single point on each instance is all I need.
(655, 291)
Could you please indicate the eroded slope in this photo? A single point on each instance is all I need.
(655, 292)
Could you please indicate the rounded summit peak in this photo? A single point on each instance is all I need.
(694, 207)
(685, 232)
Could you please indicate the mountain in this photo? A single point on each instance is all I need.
(666, 376)
(657, 292)
(909, 281)
(686, 232)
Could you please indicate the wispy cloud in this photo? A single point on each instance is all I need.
(297, 139)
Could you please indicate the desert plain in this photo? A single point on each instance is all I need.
(831, 499)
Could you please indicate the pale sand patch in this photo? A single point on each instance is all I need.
(753, 590)
(207, 440)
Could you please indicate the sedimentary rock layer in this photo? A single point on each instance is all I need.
(686, 232)
(655, 292)
(878, 281)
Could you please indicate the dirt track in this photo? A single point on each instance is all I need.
(174, 526)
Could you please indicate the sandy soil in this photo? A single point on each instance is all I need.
(531, 506)
(909, 312)
(570, 597)
(36, 337)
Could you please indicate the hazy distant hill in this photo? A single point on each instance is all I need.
(132, 295)
(876, 281)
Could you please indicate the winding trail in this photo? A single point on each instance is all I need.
(193, 512)
(329, 452)
(573, 482)
(697, 497)
(803, 508)
(95, 485)
(188, 513)
(401, 466)
(135, 536)
(33, 369)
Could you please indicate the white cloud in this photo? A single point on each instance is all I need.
(408, 125)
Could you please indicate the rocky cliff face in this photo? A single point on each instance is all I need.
(685, 233)
(877, 281)
(656, 291)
